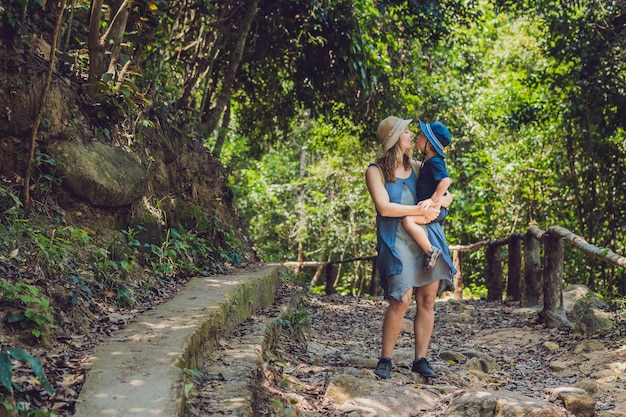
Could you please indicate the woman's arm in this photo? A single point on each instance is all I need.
(386, 208)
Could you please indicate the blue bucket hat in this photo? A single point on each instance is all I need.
(437, 134)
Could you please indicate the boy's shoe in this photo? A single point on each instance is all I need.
(430, 259)
(422, 367)
(383, 369)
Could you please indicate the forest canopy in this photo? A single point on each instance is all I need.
(287, 95)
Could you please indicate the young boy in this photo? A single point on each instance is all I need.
(433, 182)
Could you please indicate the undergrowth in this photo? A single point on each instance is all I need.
(58, 278)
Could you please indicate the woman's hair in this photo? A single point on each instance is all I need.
(387, 162)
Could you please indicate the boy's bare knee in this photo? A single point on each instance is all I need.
(407, 222)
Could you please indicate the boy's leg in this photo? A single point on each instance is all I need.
(411, 224)
(419, 234)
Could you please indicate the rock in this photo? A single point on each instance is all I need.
(20, 101)
(588, 346)
(588, 320)
(364, 396)
(463, 317)
(480, 361)
(474, 364)
(453, 357)
(483, 403)
(611, 413)
(578, 292)
(576, 400)
(588, 385)
(317, 349)
(558, 366)
(551, 346)
(105, 176)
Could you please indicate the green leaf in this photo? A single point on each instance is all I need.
(35, 364)
(6, 370)
(188, 388)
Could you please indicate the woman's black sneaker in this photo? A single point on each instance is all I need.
(422, 367)
(383, 369)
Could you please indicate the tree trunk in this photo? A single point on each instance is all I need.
(331, 274)
(213, 115)
(457, 257)
(109, 43)
(531, 284)
(221, 136)
(302, 222)
(115, 34)
(515, 268)
(553, 314)
(494, 273)
(375, 282)
(42, 101)
(96, 49)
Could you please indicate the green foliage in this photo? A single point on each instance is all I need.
(327, 210)
(46, 181)
(8, 386)
(533, 91)
(192, 375)
(35, 316)
(296, 321)
(619, 306)
(280, 409)
(184, 253)
(474, 292)
(91, 268)
(534, 103)
(12, 12)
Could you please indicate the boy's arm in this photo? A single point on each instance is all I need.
(441, 189)
(435, 199)
(446, 200)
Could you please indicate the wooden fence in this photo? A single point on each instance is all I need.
(538, 278)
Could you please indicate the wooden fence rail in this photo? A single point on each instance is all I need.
(538, 278)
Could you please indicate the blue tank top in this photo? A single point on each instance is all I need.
(388, 261)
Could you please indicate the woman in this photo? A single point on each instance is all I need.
(400, 260)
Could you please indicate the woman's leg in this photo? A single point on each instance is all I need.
(424, 317)
(392, 324)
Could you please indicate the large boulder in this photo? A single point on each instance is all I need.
(586, 310)
(103, 175)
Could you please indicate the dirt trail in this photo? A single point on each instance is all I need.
(301, 375)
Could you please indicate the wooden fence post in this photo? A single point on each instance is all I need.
(553, 313)
(531, 284)
(457, 257)
(374, 283)
(330, 278)
(494, 273)
(515, 267)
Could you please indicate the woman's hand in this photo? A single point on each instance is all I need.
(424, 204)
(430, 213)
(444, 201)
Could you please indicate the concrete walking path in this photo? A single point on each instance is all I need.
(140, 370)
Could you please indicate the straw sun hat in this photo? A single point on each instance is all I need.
(389, 131)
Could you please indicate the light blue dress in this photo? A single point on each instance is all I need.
(400, 259)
